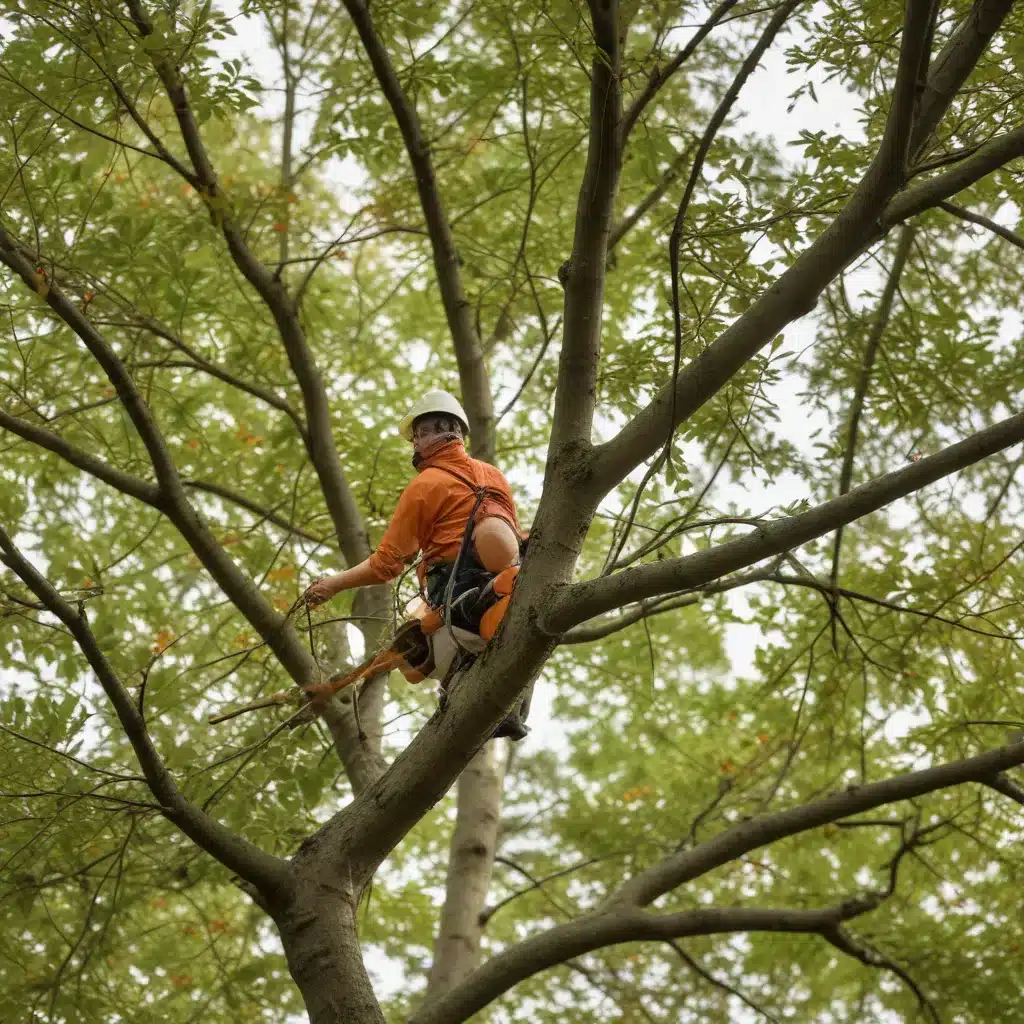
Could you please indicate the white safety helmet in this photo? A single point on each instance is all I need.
(433, 401)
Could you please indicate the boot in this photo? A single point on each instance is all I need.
(512, 727)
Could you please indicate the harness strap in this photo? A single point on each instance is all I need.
(481, 493)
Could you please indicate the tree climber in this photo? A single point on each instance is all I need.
(459, 513)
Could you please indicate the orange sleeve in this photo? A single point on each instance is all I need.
(401, 539)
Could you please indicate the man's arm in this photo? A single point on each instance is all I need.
(399, 543)
(361, 575)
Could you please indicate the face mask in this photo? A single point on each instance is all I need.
(431, 447)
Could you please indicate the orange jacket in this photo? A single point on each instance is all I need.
(432, 513)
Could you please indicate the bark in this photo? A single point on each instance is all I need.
(470, 865)
(318, 932)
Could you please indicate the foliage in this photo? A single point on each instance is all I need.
(662, 733)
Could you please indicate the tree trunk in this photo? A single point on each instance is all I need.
(318, 931)
(470, 864)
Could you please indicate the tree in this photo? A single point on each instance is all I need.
(204, 352)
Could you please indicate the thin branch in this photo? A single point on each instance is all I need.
(842, 941)
(829, 589)
(747, 68)
(586, 634)
(976, 218)
(113, 776)
(575, 603)
(348, 523)
(878, 329)
(268, 873)
(124, 482)
(718, 983)
(631, 219)
(661, 75)
(244, 501)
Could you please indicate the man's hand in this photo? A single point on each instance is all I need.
(322, 590)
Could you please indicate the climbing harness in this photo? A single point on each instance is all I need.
(470, 618)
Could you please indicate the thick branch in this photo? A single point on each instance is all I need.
(751, 835)
(1002, 784)
(894, 149)
(470, 864)
(794, 294)
(582, 601)
(621, 924)
(953, 65)
(983, 161)
(473, 376)
(589, 632)
(585, 272)
(268, 873)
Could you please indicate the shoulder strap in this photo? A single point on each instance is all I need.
(477, 489)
